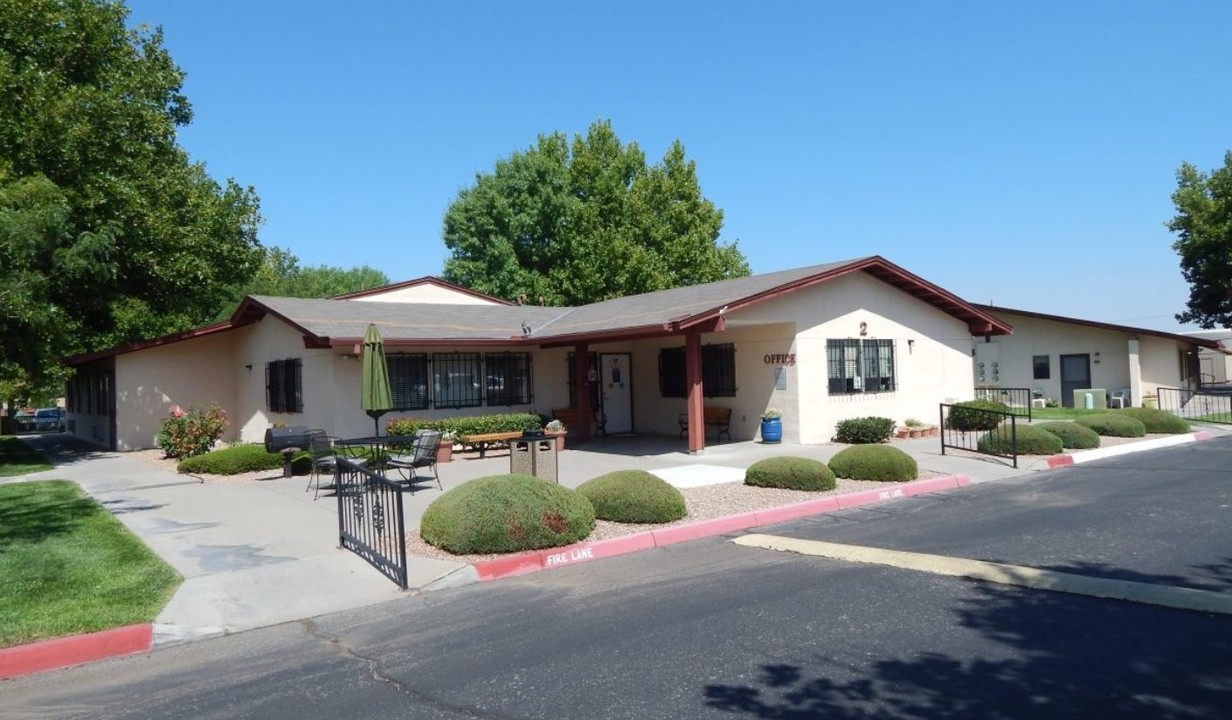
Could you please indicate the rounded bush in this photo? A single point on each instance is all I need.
(506, 513)
(857, 431)
(242, 459)
(791, 473)
(1114, 424)
(1157, 421)
(884, 463)
(1073, 435)
(633, 496)
(967, 415)
(1030, 440)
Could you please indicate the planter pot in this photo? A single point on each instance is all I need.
(444, 451)
(917, 432)
(560, 440)
(772, 430)
(902, 432)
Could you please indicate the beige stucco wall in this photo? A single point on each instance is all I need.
(1160, 360)
(194, 373)
(426, 293)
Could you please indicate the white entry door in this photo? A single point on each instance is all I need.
(615, 385)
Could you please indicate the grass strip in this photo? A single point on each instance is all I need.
(68, 566)
(16, 458)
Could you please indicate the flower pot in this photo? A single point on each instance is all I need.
(902, 432)
(560, 440)
(917, 432)
(444, 451)
(772, 430)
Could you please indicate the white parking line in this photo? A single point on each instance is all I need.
(1035, 578)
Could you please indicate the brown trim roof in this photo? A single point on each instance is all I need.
(202, 331)
(1189, 339)
(425, 280)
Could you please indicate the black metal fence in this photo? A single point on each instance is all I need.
(370, 519)
(987, 432)
(1203, 406)
(1018, 399)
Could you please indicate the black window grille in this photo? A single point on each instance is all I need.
(718, 371)
(284, 386)
(456, 380)
(860, 366)
(1042, 367)
(509, 379)
(593, 365)
(408, 380)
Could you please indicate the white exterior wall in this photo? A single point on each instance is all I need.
(195, 372)
(426, 293)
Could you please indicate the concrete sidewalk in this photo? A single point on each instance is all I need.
(261, 553)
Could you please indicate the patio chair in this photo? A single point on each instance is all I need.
(324, 459)
(1119, 399)
(423, 454)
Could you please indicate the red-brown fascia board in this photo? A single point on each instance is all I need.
(978, 323)
(353, 342)
(75, 360)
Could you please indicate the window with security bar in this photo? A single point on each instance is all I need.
(860, 366)
(456, 380)
(718, 371)
(508, 379)
(283, 386)
(408, 380)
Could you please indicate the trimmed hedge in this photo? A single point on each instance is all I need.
(1156, 420)
(884, 463)
(1031, 440)
(633, 496)
(1073, 435)
(506, 513)
(1114, 424)
(864, 430)
(791, 473)
(471, 425)
(966, 415)
(244, 458)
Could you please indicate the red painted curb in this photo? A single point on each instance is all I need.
(529, 562)
(1201, 435)
(74, 650)
(1059, 460)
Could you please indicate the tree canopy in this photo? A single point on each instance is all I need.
(1203, 223)
(109, 232)
(583, 221)
(280, 274)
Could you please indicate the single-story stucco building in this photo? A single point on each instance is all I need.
(1054, 355)
(820, 344)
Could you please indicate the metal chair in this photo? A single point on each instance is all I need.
(324, 459)
(423, 454)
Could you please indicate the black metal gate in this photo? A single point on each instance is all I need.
(1017, 399)
(370, 520)
(1202, 406)
(987, 432)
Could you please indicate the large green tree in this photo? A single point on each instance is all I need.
(1203, 223)
(583, 221)
(109, 232)
(280, 274)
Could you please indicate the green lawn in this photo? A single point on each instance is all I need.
(16, 458)
(68, 566)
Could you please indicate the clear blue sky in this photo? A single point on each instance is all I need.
(1022, 153)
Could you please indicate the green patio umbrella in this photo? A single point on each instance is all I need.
(374, 395)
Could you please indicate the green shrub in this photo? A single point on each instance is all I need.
(190, 432)
(864, 430)
(791, 473)
(1157, 421)
(633, 496)
(970, 415)
(243, 459)
(506, 513)
(472, 425)
(885, 463)
(1114, 424)
(1030, 440)
(1073, 435)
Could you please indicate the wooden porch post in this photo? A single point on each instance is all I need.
(693, 379)
(581, 389)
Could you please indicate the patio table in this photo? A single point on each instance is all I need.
(379, 445)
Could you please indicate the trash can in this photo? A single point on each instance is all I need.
(534, 455)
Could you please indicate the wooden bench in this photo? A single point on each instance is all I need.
(719, 417)
(487, 440)
(569, 416)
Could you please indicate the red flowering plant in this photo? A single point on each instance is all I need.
(191, 432)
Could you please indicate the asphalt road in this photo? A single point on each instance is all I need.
(713, 630)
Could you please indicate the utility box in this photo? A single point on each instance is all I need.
(1099, 398)
(535, 455)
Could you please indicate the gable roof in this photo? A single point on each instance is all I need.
(425, 280)
(330, 323)
(1130, 330)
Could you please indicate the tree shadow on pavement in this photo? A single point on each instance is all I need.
(1016, 653)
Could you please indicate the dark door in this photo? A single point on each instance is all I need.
(1075, 375)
